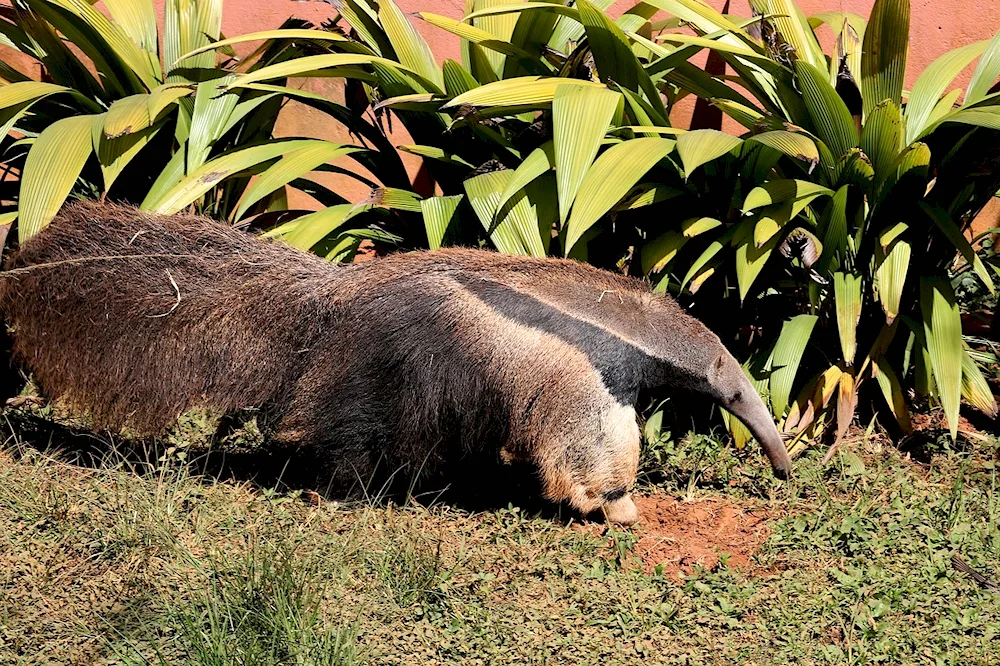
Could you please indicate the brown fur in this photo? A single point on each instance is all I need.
(402, 362)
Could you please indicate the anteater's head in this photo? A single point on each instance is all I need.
(726, 382)
(692, 357)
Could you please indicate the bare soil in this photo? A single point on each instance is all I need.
(680, 536)
(934, 421)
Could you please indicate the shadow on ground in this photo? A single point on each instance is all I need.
(472, 485)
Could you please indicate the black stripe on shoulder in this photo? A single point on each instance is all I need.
(623, 366)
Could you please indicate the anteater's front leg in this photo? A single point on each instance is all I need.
(586, 446)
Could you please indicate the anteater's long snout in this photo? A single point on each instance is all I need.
(741, 399)
(752, 411)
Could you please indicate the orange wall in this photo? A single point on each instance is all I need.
(936, 25)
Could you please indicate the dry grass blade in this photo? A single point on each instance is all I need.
(847, 404)
(962, 565)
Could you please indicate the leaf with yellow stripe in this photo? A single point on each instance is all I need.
(291, 166)
(580, 119)
(610, 178)
(50, 170)
(942, 325)
(975, 389)
(847, 296)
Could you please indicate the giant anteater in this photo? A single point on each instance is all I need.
(401, 362)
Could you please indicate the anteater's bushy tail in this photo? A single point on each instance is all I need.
(137, 318)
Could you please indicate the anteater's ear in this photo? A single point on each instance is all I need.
(719, 371)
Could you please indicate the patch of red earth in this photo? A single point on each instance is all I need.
(935, 420)
(683, 535)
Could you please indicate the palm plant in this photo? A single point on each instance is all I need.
(872, 235)
(116, 104)
(528, 98)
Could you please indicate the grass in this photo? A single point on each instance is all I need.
(123, 564)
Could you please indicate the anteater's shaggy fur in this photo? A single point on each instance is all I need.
(398, 363)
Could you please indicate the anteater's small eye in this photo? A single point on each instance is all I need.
(736, 397)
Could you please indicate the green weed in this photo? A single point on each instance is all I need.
(132, 564)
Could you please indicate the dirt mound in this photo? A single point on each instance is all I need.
(683, 535)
